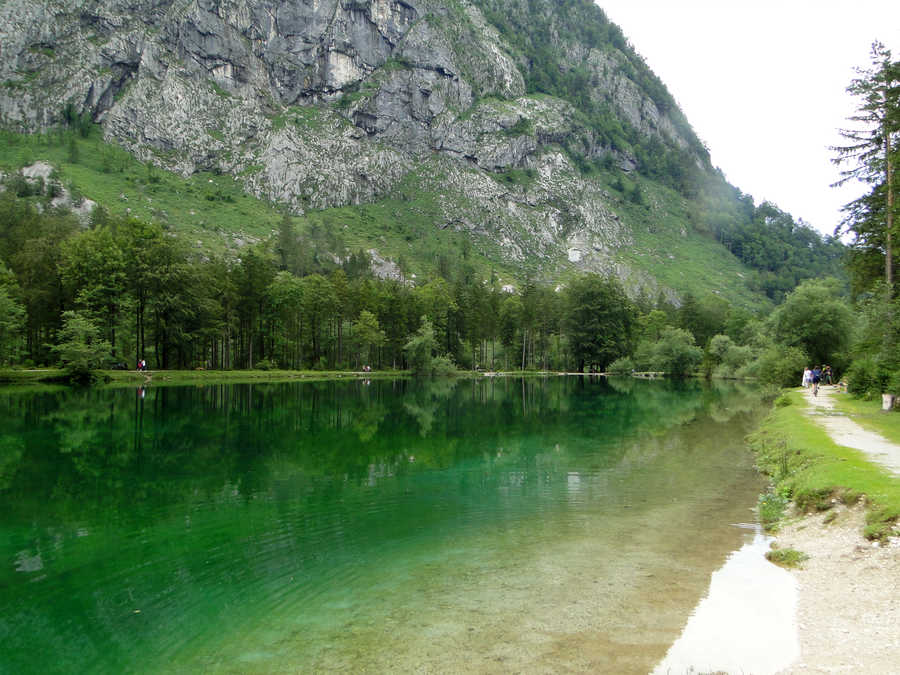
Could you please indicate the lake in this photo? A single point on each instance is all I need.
(492, 525)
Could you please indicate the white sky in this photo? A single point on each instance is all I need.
(763, 84)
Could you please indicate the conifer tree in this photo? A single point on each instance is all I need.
(872, 153)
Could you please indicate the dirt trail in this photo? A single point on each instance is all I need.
(844, 431)
(848, 610)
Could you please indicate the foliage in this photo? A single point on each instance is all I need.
(866, 377)
(814, 319)
(420, 349)
(877, 329)
(675, 352)
(872, 151)
(771, 508)
(599, 321)
(443, 366)
(369, 334)
(783, 252)
(782, 401)
(786, 557)
(621, 366)
(726, 358)
(779, 365)
(12, 321)
(80, 348)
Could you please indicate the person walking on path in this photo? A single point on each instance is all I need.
(816, 378)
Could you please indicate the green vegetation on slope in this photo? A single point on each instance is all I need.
(548, 38)
(210, 208)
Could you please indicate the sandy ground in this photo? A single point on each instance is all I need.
(848, 611)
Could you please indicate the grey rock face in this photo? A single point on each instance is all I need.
(318, 103)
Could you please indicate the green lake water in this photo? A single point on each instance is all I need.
(564, 524)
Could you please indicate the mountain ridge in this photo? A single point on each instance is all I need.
(530, 127)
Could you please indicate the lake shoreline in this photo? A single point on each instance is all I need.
(14, 376)
(846, 613)
(843, 517)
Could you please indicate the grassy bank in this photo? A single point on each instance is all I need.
(14, 376)
(811, 470)
(30, 376)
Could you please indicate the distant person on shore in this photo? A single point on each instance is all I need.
(827, 375)
(816, 378)
(807, 377)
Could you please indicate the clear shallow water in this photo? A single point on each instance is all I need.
(745, 624)
(482, 526)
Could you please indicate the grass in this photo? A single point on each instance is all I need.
(205, 207)
(214, 209)
(808, 467)
(30, 376)
(669, 249)
(54, 378)
(186, 376)
(771, 508)
(786, 557)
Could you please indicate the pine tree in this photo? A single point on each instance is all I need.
(873, 152)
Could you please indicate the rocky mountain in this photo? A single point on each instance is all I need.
(515, 115)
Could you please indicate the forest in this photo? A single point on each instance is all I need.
(122, 289)
(114, 289)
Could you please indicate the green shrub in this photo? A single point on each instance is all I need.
(782, 401)
(675, 352)
(893, 383)
(786, 557)
(771, 508)
(80, 347)
(443, 366)
(621, 366)
(865, 376)
(779, 365)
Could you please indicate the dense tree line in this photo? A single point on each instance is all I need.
(783, 252)
(132, 291)
(140, 292)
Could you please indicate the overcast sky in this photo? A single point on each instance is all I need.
(763, 84)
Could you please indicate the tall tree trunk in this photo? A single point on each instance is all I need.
(524, 345)
(250, 348)
(889, 225)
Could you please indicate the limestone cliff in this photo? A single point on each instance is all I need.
(319, 103)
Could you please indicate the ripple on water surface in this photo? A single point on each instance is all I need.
(537, 526)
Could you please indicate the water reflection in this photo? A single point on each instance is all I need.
(746, 623)
(333, 510)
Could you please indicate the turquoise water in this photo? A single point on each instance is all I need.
(495, 525)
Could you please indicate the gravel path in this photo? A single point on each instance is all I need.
(848, 611)
(844, 431)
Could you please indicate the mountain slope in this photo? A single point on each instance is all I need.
(529, 129)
